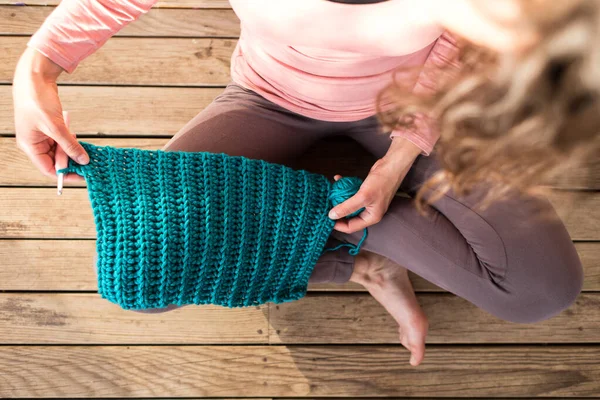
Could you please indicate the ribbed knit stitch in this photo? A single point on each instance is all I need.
(202, 228)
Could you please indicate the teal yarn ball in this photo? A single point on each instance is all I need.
(343, 189)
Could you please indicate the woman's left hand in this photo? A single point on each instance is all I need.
(378, 189)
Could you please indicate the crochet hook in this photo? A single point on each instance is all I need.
(61, 159)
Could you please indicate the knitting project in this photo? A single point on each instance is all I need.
(205, 228)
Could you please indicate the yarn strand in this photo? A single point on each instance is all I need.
(342, 190)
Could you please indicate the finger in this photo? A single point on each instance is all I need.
(40, 155)
(61, 159)
(337, 177)
(347, 207)
(67, 141)
(44, 163)
(71, 177)
(351, 225)
(67, 119)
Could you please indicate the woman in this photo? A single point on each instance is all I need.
(304, 70)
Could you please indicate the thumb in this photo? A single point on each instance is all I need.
(68, 142)
(347, 207)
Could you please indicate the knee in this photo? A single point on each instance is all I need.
(545, 290)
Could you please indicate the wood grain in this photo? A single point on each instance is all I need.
(41, 318)
(580, 212)
(63, 318)
(40, 213)
(141, 61)
(158, 22)
(330, 156)
(159, 4)
(213, 352)
(360, 319)
(335, 155)
(61, 265)
(47, 265)
(144, 111)
(589, 253)
(17, 170)
(69, 265)
(293, 371)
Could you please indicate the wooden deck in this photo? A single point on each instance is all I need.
(59, 339)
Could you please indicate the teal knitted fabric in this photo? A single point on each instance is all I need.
(203, 228)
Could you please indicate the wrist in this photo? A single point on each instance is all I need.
(397, 161)
(35, 64)
(402, 152)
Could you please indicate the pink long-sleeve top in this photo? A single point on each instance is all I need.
(324, 60)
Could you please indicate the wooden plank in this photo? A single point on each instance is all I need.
(17, 170)
(335, 155)
(360, 371)
(360, 319)
(329, 156)
(159, 4)
(47, 265)
(122, 110)
(419, 284)
(68, 265)
(141, 61)
(156, 23)
(67, 318)
(580, 211)
(42, 318)
(589, 253)
(584, 176)
(40, 213)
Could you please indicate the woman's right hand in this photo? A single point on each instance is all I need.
(39, 122)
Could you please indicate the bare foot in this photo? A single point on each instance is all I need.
(388, 283)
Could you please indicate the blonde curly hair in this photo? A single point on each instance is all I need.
(514, 120)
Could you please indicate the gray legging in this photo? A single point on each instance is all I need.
(505, 259)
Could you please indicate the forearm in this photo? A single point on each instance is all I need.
(77, 28)
(402, 152)
(34, 63)
(441, 67)
(398, 160)
(423, 133)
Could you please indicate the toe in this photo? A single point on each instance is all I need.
(414, 342)
(417, 353)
